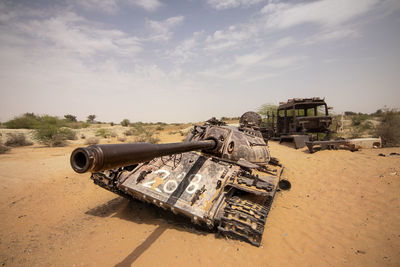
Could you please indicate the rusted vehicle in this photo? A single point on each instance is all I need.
(228, 185)
(297, 118)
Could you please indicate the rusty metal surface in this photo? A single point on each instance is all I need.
(228, 186)
(333, 144)
(293, 118)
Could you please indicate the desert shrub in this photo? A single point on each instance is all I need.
(90, 118)
(111, 123)
(103, 133)
(159, 128)
(389, 128)
(148, 137)
(136, 129)
(83, 136)
(121, 139)
(70, 118)
(25, 121)
(92, 141)
(3, 148)
(349, 113)
(125, 122)
(17, 139)
(52, 135)
(356, 120)
(67, 133)
(78, 125)
(113, 134)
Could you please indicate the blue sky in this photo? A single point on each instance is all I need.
(182, 61)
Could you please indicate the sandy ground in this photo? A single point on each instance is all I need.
(343, 210)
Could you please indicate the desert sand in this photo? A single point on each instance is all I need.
(343, 210)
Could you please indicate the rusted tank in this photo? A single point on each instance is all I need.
(222, 177)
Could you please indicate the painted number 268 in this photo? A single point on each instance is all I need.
(171, 185)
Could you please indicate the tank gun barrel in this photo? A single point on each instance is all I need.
(98, 158)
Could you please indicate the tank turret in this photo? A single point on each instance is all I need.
(221, 176)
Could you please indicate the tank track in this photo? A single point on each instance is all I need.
(244, 219)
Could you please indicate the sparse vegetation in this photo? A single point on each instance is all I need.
(389, 128)
(3, 148)
(91, 118)
(125, 122)
(147, 136)
(105, 133)
(17, 139)
(159, 128)
(53, 135)
(70, 118)
(92, 141)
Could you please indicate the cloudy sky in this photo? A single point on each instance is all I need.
(181, 61)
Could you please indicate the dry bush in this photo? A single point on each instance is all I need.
(148, 137)
(83, 136)
(57, 140)
(113, 134)
(92, 141)
(389, 128)
(121, 139)
(3, 148)
(17, 139)
(103, 133)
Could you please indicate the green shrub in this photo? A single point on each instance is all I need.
(90, 118)
(26, 121)
(103, 133)
(136, 129)
(17, 139)
(356, 120)
(125, 122)
(52, 135)
(67, 133)
(389, 128)
(70, 118)
(3, 148)
(159, 128)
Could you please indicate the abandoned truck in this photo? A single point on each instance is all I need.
(297, 118)
(228, 187)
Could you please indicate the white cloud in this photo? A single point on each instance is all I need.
(251, 59)
(332, 35)
(226, 4)
(66, 32)
(232, 37)
(186, 49)
(112, 6)
(149, 5)
(107, 6)
(162, 29)
(323, 12)
(285, 42)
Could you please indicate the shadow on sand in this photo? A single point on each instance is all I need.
(139, 212)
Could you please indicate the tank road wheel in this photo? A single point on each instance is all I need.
(244, 219)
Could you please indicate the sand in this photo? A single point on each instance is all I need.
(343, 210)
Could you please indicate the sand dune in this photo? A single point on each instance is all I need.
(343, 209)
